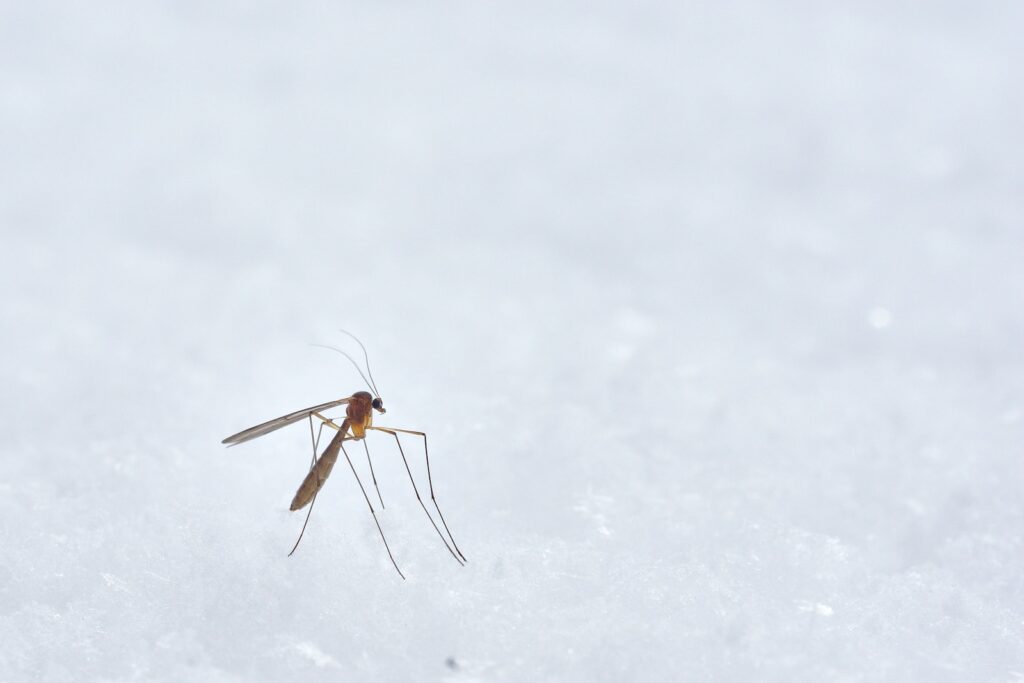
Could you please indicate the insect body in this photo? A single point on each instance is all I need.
(358, 418)
(359, 410)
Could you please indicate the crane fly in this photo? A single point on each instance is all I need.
(359, 410)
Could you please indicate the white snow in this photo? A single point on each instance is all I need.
(713, 312)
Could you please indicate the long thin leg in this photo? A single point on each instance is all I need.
(430, 481)
(308, 513)
(372, 475)
(315, 442)
(372, 512)
(417, 491)
(326, 422)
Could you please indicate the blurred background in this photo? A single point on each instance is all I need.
(712, 312)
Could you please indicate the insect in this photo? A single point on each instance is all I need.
(359, 410)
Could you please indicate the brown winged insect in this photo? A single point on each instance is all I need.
(359, 409)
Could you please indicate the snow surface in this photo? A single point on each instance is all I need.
(713, 312)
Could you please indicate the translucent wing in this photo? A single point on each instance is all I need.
(278, 422)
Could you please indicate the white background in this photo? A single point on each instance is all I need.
(712, 311)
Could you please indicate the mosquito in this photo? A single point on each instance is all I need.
(359, 410)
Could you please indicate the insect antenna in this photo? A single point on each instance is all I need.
(351, 360)
(366, 357)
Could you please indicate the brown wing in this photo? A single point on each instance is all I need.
(278, 422)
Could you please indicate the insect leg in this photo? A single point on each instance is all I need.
(315, 442)
(372, 475)
(372, 512)
(430, 481)
(308, 513)
(417, 492)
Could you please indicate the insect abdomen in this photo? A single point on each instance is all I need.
(321, 470)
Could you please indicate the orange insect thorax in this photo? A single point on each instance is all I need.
(360, 413)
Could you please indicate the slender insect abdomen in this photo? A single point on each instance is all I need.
(321, 470)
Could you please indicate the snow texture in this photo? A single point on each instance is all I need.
(713, 312)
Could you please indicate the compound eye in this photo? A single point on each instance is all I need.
(377, 404)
